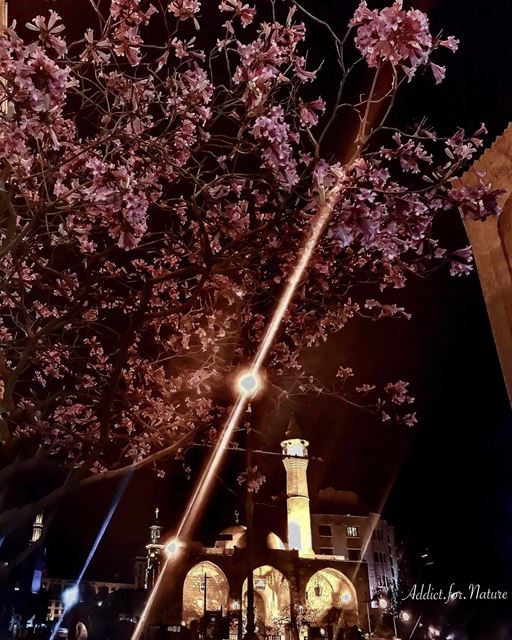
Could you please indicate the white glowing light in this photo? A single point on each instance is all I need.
(383, 603)
(248, 383)
(70, 596)
(295, 449)
(406, 616)
(172, 547)
(346, 598)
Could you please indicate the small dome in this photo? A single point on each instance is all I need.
(274, 541)
(235, 536)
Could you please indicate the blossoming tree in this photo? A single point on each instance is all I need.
(156, 181)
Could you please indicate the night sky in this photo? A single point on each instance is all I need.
(449, 479)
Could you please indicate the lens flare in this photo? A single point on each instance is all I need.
(70, 596)
(246, 392)
(172, 547)
(248, 382)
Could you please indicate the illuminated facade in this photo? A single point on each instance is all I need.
(295, 584)
(360, 537)
(153, 550)
(295, 460)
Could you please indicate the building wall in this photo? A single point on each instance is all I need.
(296, 569)
(356, 538)
(491, 241)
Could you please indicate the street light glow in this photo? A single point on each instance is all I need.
(383, 603)
(70, 596)
(172, 547)
(406, 616)
(248, 382)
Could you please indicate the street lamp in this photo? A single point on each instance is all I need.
(171, 548)
(383, 603)
(405, 616)
(70, 596)
(248, 382)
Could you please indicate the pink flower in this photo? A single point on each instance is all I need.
(48, 33)
(438, 72)
(184, 9)
(242, 11)
(392, 35)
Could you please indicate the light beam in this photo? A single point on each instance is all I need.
(245, 394)
(70, 596)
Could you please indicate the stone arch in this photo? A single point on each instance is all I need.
(217, 590)
(272, 600)
(331, 598)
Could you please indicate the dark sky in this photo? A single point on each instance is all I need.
(448, 479)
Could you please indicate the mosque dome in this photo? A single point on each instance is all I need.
(236, 536)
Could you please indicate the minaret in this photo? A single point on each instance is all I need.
(154, 549)
(295, 460)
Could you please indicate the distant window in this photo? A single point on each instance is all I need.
(378, 556)
(377, 534)
(326, 551)
(353, 532)
(354, 554)
(325, 530)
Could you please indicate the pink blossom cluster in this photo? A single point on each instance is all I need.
(398, 36)
(155, 199)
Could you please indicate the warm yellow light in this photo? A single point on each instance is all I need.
(405, 616)
(248, 382)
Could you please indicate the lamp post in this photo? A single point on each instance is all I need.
(250, 633)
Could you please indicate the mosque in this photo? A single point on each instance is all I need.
(324, 575)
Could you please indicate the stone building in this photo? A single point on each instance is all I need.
(345, 528)
(295, 580)
(491, 241)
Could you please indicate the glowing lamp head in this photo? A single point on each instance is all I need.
(383, 603)
(346, 598)
(248, 383)
(406, 616)
(171, 548)
(70, 596)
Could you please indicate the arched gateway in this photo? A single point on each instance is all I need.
(331, 599)
(205, 588)
(272, 601)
